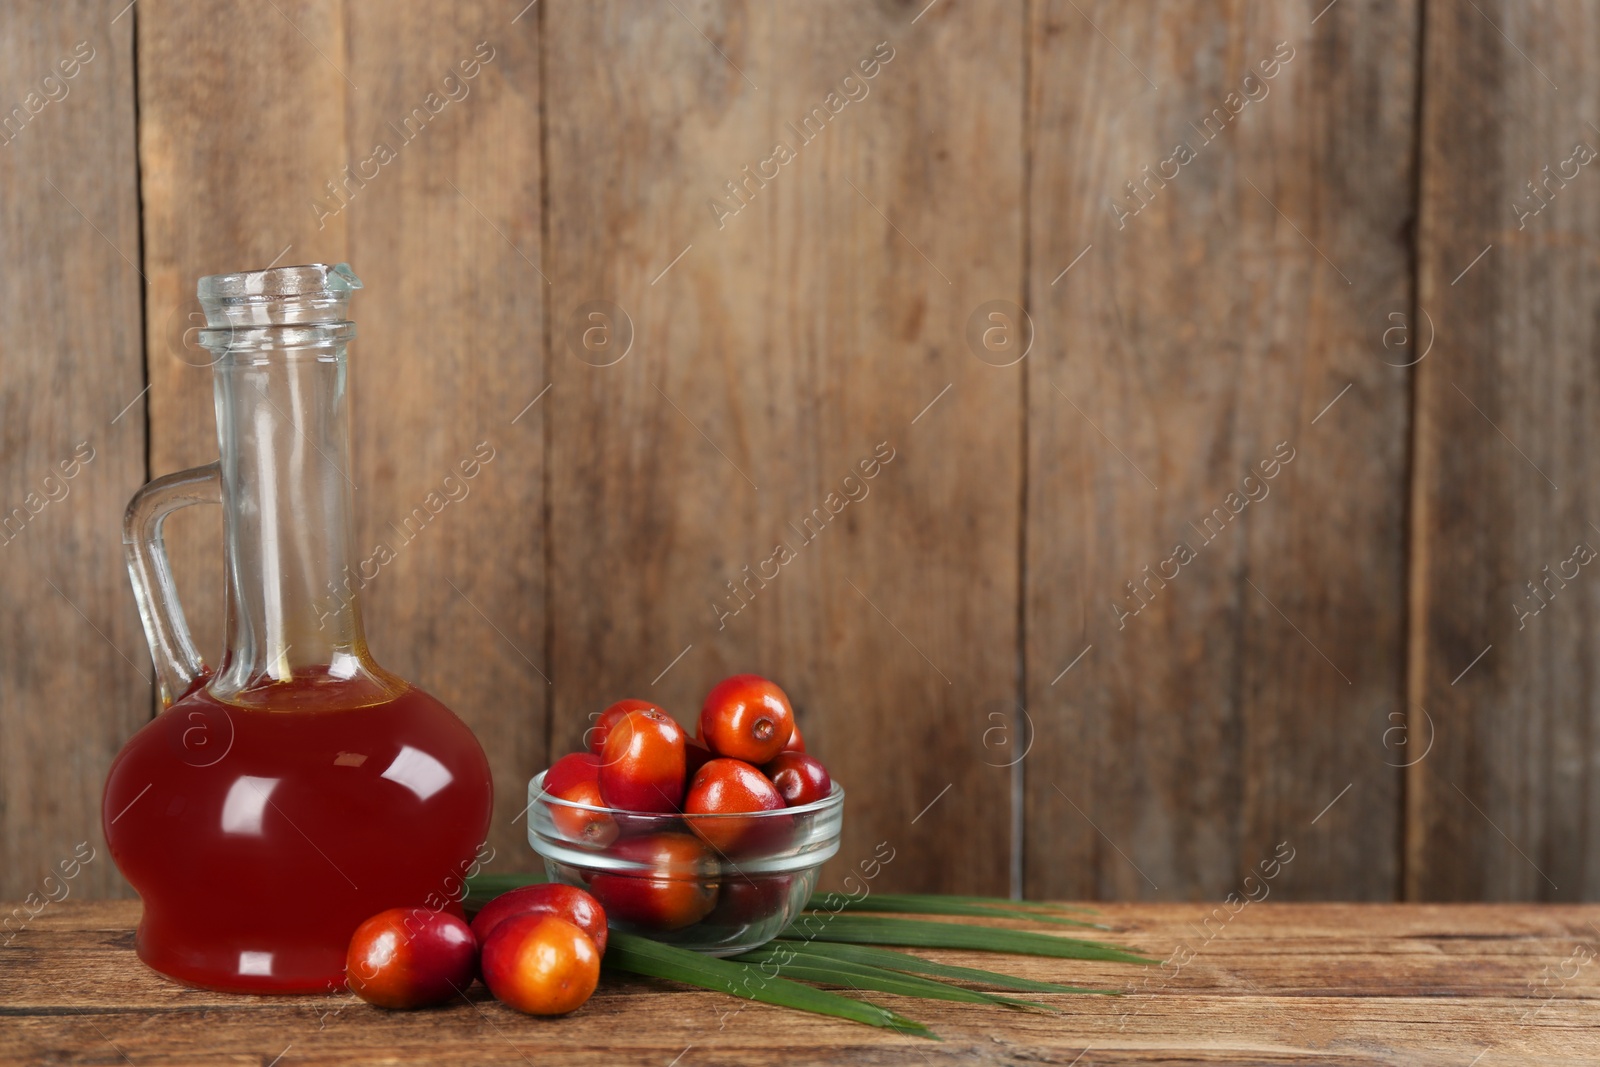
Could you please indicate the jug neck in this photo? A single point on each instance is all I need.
(281, 373)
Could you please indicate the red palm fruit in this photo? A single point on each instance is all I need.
(552, 898)
(679, 888)
(799, 778)
(540, 964)
(746, 717)
(641, 767)
(594, 828)
(727, 787)
(571, 769)
(743, 901)
(595, 736)
(410, 958)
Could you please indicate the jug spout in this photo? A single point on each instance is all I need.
(309, 294)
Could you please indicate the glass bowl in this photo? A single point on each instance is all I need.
(718, 884)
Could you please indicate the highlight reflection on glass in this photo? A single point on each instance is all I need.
(418, 772)
(246, 805)
(255, 963)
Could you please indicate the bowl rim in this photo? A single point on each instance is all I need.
(835, 798)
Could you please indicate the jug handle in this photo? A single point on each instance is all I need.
(177, 662)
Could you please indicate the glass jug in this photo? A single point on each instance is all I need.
(280, 800)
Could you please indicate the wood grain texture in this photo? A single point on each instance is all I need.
(1505, 806)
(1274, 984)
(451, 350)
(401, 140)
(706, 489)
(73, 671)
(785, 318)
(1216, 312)
(233, 143)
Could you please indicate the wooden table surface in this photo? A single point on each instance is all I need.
(1461, 985)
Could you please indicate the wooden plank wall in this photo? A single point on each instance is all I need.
(1506, 806)
(1241, 681)
(793, 341)
(683, 343)
(74, 675)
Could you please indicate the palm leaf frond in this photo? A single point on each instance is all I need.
(904, 961)
(840, 944)
(640, 955)
(919, 904)
(864, 977)
(918, 933)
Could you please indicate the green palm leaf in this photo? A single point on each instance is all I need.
(640, 955)
(862, 976)
(904, 961)
(836, 948)
(1004, 903)
(872, 930)
(917, 904)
